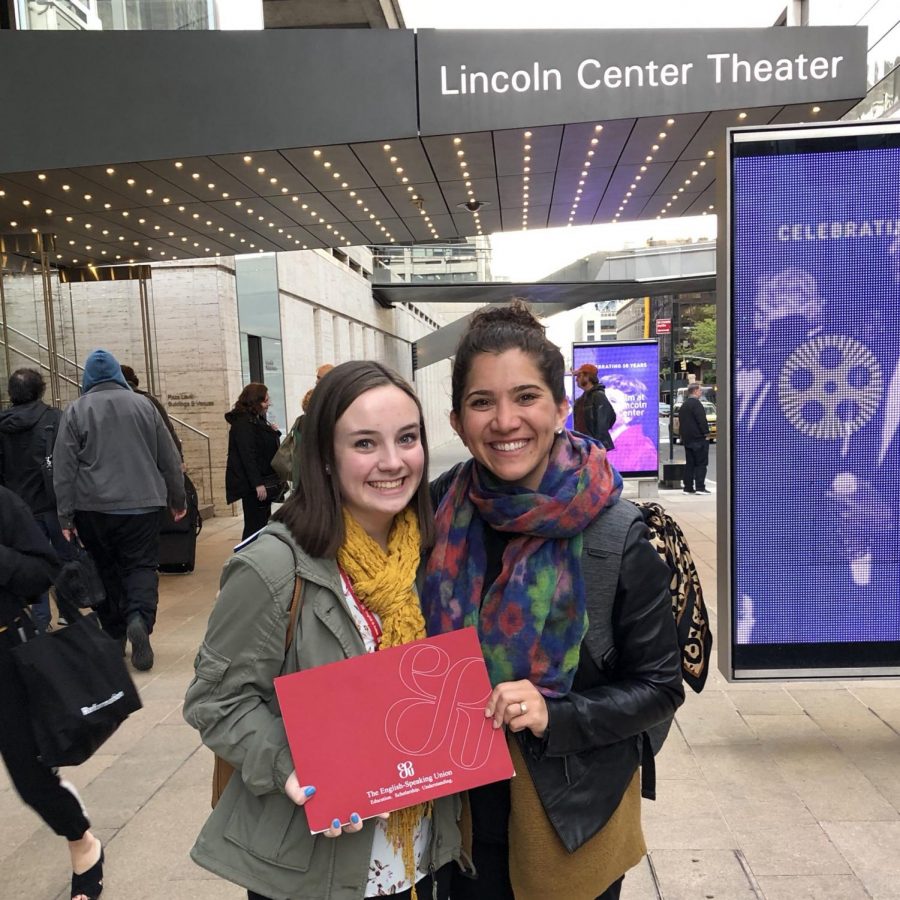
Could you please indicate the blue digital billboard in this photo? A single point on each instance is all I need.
(815, 400)
(629, 372)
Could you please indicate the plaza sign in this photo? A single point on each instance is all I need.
(473, 81)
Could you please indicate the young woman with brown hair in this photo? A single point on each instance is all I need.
(353, 535)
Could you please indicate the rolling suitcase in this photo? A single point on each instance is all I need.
(178, 540)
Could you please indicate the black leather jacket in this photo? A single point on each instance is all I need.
(599, 415)
(592, 747)
(586, 759)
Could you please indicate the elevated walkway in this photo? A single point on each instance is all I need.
(643, 272)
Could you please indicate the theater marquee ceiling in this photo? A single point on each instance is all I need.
(145, 146)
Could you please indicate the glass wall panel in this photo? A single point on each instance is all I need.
(259, 318)
(117, 15)
(257, 290)
(273, 374)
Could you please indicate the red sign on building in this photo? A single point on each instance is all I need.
(663, 326)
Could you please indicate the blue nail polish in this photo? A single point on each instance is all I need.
(336, 823)
(309, 791)
(354, 818)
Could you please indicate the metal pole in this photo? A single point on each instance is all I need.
(145, 333)
(74, 336)
(672, 378)
(50, 322)
(5, 325)
(154, 339)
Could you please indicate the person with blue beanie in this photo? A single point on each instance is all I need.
(115, 468)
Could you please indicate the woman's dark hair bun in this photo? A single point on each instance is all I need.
(516, 313)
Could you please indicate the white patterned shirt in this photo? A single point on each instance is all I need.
(387, 874)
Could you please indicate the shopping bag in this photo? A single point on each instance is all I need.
(78, 582)
(79, 690)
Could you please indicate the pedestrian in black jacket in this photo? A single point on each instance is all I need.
(693, 428)
(252, 442)
(27, 434)
(27, 567)
(594, 414)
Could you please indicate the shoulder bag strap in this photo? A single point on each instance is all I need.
(294, 612)
(601, 560)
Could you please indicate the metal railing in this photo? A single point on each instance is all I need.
(206, 482)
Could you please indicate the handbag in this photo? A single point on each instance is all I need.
(276, 489)
(78, 688)
(78, 582)
(283, 462)
(283, 458)
(223, 770)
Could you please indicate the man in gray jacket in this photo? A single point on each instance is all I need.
(115, 467)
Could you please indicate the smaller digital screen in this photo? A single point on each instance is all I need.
(629, 373)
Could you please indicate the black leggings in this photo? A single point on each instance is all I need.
(492, 864)
(423, 887)
(37, 785)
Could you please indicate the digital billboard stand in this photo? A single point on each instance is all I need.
(809, 549)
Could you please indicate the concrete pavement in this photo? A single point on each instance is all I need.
(778, 791)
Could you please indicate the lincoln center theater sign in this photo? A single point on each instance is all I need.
(480, 80)
(200, 93)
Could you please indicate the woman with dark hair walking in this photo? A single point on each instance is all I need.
(578, 675)
(350, 539)
(252, 442)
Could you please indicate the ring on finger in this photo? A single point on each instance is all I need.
(523, 708)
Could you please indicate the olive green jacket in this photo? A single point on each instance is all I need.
(257, 837)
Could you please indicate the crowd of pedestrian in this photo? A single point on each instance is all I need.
(364, 555)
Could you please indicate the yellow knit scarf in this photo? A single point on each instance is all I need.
(385, 583)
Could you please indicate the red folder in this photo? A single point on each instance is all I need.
(387, 730)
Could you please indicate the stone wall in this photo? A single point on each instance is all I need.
(327, 315)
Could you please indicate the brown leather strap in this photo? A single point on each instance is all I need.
(294, 612)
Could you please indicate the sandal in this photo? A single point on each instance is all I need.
(89, 884)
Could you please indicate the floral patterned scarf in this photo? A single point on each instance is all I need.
(534, 616)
